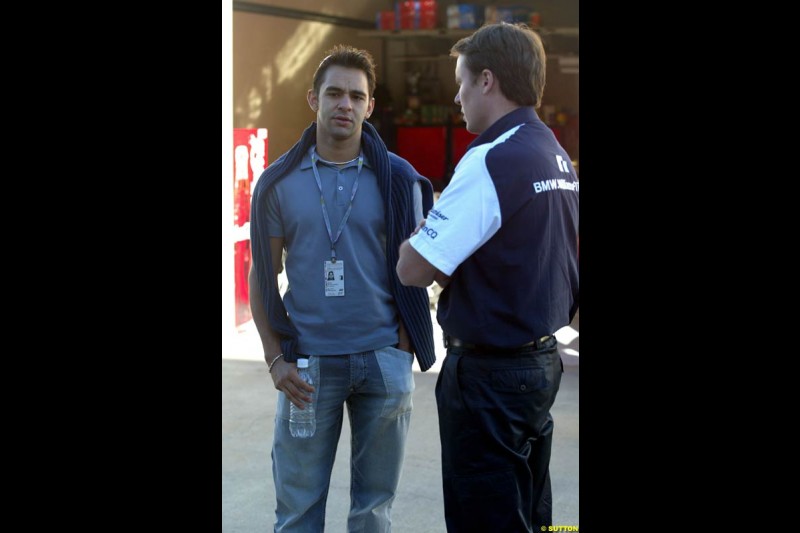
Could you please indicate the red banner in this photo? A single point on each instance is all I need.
(249, 161)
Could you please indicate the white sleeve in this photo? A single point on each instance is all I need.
(465, 216)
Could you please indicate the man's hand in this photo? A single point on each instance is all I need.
(286, 379)
(404, 342)
(413, 269)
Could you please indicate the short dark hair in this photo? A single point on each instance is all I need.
(515, 55)
(346, 56)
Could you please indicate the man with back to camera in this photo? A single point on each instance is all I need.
(340, 204)
(502, 241)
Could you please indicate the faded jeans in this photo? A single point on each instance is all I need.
(376, 386)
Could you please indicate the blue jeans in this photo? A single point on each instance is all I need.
(377, 387)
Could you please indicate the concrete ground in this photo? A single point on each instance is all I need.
(248, 410)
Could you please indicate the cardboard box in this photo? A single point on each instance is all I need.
(465, 16)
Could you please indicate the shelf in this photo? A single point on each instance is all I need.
(443, 57)
(452, 33)
(436, 33)
(566, 32)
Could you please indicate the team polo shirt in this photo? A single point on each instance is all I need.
(365, 318)
(505, 229)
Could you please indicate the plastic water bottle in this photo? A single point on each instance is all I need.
(303, 422)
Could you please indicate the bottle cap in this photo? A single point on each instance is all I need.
(302, 363)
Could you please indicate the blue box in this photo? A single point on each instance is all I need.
(464, 16)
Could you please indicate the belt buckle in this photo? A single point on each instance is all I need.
(541, 340)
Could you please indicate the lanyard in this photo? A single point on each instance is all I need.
(325, 208)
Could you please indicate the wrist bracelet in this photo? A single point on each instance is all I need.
(272, 363)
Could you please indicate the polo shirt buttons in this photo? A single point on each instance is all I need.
(341, 188)
(523, 387)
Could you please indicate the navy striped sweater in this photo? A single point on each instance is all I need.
(395, 177)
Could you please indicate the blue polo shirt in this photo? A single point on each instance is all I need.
(506, 230)
(365, 318)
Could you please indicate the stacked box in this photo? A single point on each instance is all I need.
(465, 16)
(385, 20)
(427, 14)
(513, 13)
(415, 15)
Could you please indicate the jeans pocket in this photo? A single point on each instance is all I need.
(398, 380)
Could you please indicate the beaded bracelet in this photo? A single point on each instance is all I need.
(272, 363)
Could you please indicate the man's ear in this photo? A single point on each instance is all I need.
(313, 101)
(486, 80)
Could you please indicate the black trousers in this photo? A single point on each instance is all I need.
(496, 434)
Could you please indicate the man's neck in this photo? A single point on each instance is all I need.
(339, 152)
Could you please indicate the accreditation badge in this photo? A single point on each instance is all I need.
(334, 278)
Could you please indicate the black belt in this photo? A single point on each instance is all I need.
(455, 342)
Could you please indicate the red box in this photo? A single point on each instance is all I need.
(425, 147)
(386, 20)
(427, 14)
(427, 20)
